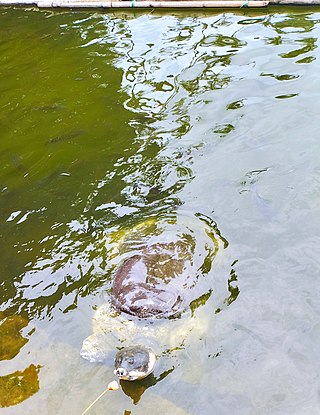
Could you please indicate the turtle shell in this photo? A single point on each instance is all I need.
(134, 362)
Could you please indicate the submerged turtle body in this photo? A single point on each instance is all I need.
(134, 363)
(159, 264)
(143, 285)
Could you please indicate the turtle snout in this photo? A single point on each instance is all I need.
(120, 372)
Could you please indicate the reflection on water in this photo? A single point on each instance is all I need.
(203, 122)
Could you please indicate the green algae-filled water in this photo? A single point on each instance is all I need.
(112, 123)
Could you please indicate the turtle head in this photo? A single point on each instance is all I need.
(134, 362)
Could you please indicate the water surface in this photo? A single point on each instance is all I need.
(111, 120)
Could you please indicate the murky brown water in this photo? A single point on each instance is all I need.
(123, 131)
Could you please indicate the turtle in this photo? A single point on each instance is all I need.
(159, 263)
(134, 363)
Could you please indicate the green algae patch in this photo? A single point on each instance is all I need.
(199, 301)
(10, 334)
(19, 386)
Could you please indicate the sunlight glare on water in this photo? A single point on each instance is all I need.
(121, 132)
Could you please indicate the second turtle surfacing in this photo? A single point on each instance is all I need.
(134, 363)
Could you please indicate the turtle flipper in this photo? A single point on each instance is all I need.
(97, 347)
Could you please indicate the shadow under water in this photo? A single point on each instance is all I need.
(136, 389)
